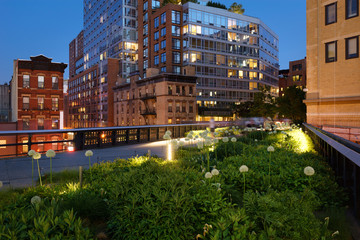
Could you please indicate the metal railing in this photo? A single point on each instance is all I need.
(89, 138)
(344, 158)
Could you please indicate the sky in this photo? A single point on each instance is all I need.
(33, 27)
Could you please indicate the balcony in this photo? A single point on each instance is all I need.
(148, 111)
(148, 96)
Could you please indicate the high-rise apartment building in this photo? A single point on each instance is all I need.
(333, 72)
(37, 98)
(76, 55)
(232, 54)
(295, 75)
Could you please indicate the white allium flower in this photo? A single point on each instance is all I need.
(1, 184)
(225, 139)
(181, 143)
(35, 200)
(174, 142)
(168, 132)
(200, 145)
(256, 140)
(31, 153)
(197, 136)
(208, 175)
(215, 172)
(309, 171)
(50, 153)
(216, 140)
(89, 153)
(207, 142)
(189, 136)
(216, 133)
(166, 137)
(37, 155)
(270, 149)
(226, 131)
(243, 169)
(233, 139)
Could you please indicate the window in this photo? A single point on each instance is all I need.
(297, 78)
(156, 47)
(55, 123)
(55, 82)
(352, 8)
(55, 104)
(183, 90)
(26, 81)
(145, 30)
(297, 67)
(176, 57)
(26, 103)
(352, 47)
(163, 18)
(145, 17)
(146, 53)
(175, 30)
(170, 90)
(156, 60)
(330, 13)
(40, 81)
(163, 44)
(190, 90)
(40, 124)
(178, 89)
(145, 6)
(146, 65)
(145, 43)
(163, 31)
(175, 43)
(169, 120)
(331, 52)
(163, 58)
(183, 107)
(175, 17)
(40, 103)
(156, 35)
(169, 107)
(155, 4)
(156, 22)
(177, 107)
(191, 108)
(26, 123)
(163, 69)
(176, 69)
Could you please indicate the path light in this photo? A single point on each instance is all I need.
(169, 152)
(89, 154)
(103, 135)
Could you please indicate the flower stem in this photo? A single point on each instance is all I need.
(90, 167)
(244, 183)
(208, 159)
(269, 169)
(50, 170)
(39, 171)
(32, 170)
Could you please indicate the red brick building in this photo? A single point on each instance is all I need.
(37, 98)
(295, 75)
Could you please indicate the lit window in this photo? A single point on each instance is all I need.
(40, 124)
(40, 103)
(331, 52)
(352, 8)
(55, 103)
(330, 13)
(40, 81)
(352, 47)
(55, 123)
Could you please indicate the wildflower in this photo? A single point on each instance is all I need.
(181, 143)
(208, 175)
(35, 200)
(200, 145)
(233, 139)
(256, 140)
(309, 171)
(270, 149)
(50, 153)
(37, 155)
(216, 140)
(215, 172)
(207, 142)
(88, 153)
(226, 131)
(166, 137)
(225, 139)
(243, 169)
(31, 153)
(168, 132)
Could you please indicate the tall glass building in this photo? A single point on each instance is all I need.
(232, 55)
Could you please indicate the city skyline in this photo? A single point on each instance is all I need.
(60, 29)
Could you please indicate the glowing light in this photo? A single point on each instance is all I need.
(103, 135)
(71, 149)
(169, 152)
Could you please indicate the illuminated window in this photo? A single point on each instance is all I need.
(330, 13)
(40, 103)
(40, 81)
(297, 78)
(169, 120)
(40, 123)
(2, 142)
(55, 123)
(55, 103)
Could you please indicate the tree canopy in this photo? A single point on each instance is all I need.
(291, 105)
(237, 8)
(216, 4)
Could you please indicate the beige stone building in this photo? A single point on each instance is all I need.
(159, 99)
(333, 66)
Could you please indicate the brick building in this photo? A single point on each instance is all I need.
(333, 72)
(37, 98)
(295, 75)
(76, 54)
(158, 99)
(5, 107)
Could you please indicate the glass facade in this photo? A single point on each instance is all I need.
(232, 55)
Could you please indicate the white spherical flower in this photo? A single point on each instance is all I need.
(216, 140)
(233, 139)
(225, 139)
(208, 175)
(168, 132)
(256, 140)
(174, 142)
(189, 136)
(207, 142)
(200, 145)
(89, 153)
(181, 143)
(37, 156)
(1, 184)
(50, 153)
(35, 200)
(243, 169)
(226, 131)
(31, 153)
(166, 137)
(309, 171)
(215, 172)
(270, 149)
(216, 133)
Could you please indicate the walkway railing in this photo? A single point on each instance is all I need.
(18, 143)
(344, 158)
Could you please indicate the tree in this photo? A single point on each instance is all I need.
(291, 104)
(178, 1)
(243, 109)
(264, 103)
(236, 8)
(216, 4)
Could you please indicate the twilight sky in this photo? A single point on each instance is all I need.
(32, 27)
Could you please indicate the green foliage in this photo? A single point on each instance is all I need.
(216, 5)
(40, 221)
(237, 8)
(177, 2)
(291, 104)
